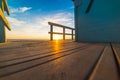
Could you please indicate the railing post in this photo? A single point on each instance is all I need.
(72, 34)
(63, 33)
(51, 32)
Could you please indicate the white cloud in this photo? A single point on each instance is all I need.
(15, 22)
(20, 10)
(23, 9)
(61, 18)
(38, 27)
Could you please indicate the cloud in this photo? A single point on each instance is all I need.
(20, 10)
(15, 22)
(23, 9)
(63, 18)
(38, 26)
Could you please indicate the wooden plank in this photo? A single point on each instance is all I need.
(37, 61)
(51, 30)
(63, 33)
(59, 25)
(116, 51)
(6, 7)
(61, 65)
(72, 34)
(2, 31)
(39, 53)
(28, 48)
(72, 61)
(3, 6)
(4, 20)
(116, 46)
(60, 33)
(106, 68)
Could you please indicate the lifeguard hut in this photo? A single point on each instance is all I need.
(97, 20)
(3, 21)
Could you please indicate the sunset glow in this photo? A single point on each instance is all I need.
(57, 37)
(29, 19)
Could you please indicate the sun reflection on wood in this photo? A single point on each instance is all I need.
(57, 48)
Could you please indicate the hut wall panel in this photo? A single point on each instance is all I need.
(101, 24)
(2, 31)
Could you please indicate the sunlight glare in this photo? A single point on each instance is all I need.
(57, 37)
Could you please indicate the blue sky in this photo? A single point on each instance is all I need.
(28, 18)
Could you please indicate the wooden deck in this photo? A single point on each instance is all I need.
(59, 60)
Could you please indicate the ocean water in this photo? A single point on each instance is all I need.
(25, 40)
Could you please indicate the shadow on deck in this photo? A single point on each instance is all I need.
(59, 60)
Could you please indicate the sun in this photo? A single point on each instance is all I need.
(56, 37)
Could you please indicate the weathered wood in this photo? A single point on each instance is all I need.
(106, 68)
(116, 51)
(4, 20)
(116, 46)
(60, 33)
(64, 33)
(2, 6)
(2, 31)
(16, 68)
(72, 34)
(57, 60)
(34, 47)
(6, 7)
(59, 25)
(51, 30)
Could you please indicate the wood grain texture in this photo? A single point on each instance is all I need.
(57, 60)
